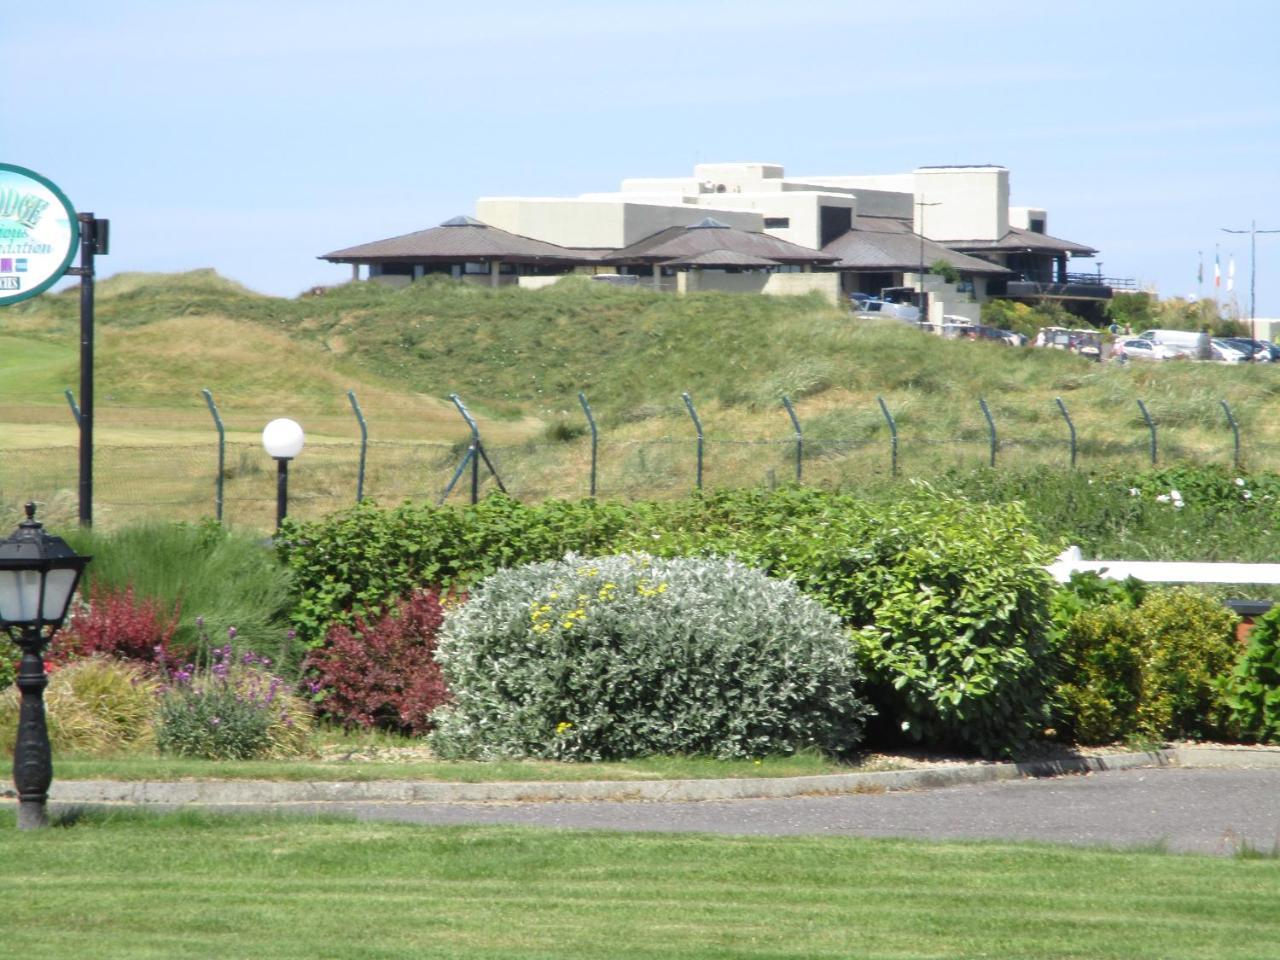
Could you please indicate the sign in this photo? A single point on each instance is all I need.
(39, 233)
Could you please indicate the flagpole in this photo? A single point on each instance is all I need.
(1253, 232)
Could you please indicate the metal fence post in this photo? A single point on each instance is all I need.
(991, 427)
(71, 402)
(475, 453)
(795, 422)
(697, 425)
(1235, 433)
(893, 437)
(222, 452)
(364, 444)
(1151, 425)
(595, 437)
(1062, 407)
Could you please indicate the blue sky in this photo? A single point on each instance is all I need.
(253, 136)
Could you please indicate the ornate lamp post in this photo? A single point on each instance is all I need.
(282, 439)
(38, 575)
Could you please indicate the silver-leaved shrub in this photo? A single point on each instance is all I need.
(621, 656)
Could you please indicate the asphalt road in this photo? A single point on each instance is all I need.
(1183, 810)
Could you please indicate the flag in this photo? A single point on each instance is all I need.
(1231, 274)
(1217, 272)
(1200, 271)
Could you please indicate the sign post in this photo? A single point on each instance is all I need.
(39, 233)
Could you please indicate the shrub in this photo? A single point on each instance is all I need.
(94, 706)
(205, 571)
(9, 656)
(1142, 664)
(232, 709)
(383, 673)
(117, 624)
(629, 655)
(1252, 692)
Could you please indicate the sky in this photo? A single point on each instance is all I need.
(252, 137)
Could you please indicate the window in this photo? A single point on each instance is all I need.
(1037, 225)
(777, 223)
(472, 266)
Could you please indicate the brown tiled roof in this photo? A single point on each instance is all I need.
(1018, 240)
(462, 238)
(683, 242)
(721, 258)
(887, 244)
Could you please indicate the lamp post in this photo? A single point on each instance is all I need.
(1253, 232)
(38, 575)
(282, 439)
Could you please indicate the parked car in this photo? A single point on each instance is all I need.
(1136, 348)
(1260, 351)
(1224, 352)
(908, 312)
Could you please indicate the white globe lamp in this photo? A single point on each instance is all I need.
(283, 440)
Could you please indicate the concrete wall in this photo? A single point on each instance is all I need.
(973, 202)
(577, 222)
(1021, 217)
(774, 284)
(798, 284)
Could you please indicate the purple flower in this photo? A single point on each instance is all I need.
(200, 622)
(214, 721)
(231, 633)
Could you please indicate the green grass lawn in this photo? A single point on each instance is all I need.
(189, 885)
(148, 767)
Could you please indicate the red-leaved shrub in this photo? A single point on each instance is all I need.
(383, 674)
(117, 624)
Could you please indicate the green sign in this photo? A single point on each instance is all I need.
(39, 233)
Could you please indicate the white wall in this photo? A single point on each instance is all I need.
(575, 222)
(1021, 217)
(973, 202)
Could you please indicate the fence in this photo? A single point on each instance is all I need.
(229, 477)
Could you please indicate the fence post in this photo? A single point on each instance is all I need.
(1235, 433)
(475, 453)
(1151, 425)
(1070, 426)
(893, 437)
(364, 444)
(222, 452)
(595, 437)
(991, 427)
(697, 425)
(71, 402)
(795, 422)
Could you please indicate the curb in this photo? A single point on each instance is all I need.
(232, 792)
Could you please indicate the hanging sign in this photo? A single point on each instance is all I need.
(39, 233)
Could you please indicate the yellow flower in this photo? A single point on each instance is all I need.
(563, 727)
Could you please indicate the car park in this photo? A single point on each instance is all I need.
(1224, 352)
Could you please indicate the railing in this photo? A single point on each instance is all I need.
(1115, 283)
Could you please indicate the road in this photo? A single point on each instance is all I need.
(1209, 811)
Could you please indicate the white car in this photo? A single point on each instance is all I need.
(1224, 352)
(1135, 348)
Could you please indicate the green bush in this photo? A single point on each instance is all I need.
(215, 577)
(1137, 663)
(9, 655)
(94, 706)
(622, 656)
(948, 598)
(1252, 692)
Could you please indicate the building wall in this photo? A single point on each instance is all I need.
(591, 223)
(973, 202)
(1021, 217)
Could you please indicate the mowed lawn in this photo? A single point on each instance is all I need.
(255, 886)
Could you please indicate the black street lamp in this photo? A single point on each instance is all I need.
(283, 440)
(38, 575)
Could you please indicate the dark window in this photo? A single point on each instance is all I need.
(397, 270)
(472, 266)
(1037, 225)
(777, 223)
(836, 222)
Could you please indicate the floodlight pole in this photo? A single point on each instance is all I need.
(1253, 232)
(94, 234)
(920, 226)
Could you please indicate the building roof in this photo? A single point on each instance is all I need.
(721, 258)
(461, 238)
(1018, 240)
(708, 235)
(887, 244)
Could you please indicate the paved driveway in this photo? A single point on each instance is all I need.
(1185, 810)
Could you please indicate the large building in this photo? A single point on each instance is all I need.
(749, 227)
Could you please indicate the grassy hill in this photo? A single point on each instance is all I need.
(520, 357)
